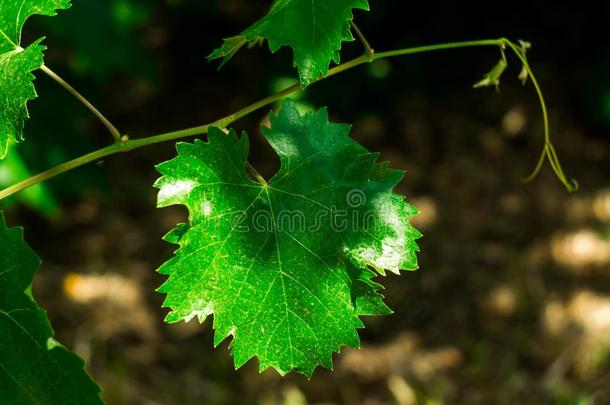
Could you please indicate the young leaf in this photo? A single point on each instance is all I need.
(17, 63)
(34, 368)
(314, 29)
(492, 78)
(284, 266)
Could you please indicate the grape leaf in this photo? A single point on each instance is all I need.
(314, 29)
(17, 63)
(34, 368)
(284, 266)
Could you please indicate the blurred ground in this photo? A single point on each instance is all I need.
(512, 302)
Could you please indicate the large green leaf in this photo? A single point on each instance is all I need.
(314, 29)
(34, 368)
(284, 266)
(17, 63)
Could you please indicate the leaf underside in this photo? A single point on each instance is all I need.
(285, 267)
(17, 63)
(314, 29)
(34, 368)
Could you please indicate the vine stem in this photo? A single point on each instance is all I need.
(127, 145)
(367, 46)
(548, 150)
(116, 134)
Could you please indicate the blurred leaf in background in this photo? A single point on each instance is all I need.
(109, 42)
(595, 93)
(39, 198)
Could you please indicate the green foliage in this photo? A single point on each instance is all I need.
(16, 64)
(314, 29)
(284, 265)
(34, 368)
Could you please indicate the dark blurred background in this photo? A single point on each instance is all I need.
(512, 301)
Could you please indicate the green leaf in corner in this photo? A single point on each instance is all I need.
(34, 368)
(17, 63)
(284, 266)
(314, 29)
